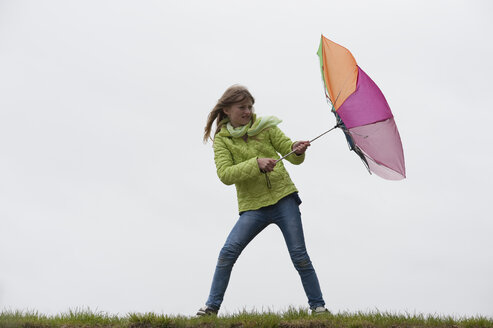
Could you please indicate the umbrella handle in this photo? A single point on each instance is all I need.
(280, 159)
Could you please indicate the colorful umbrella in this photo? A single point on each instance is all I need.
(361, 112)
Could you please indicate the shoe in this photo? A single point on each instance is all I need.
(320, 310)
(206, 310)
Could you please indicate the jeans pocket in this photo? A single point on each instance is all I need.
(297, 198)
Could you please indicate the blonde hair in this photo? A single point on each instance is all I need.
(233, 95)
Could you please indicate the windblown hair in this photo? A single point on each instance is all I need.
(233, 95)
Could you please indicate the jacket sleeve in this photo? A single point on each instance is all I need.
(283, 145)
(228, 172)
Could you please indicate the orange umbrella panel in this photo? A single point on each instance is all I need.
(339, 71)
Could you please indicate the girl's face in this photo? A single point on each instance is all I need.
(240, 113)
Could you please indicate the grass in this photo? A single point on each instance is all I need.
(292, 318)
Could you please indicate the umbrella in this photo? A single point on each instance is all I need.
(361, 112)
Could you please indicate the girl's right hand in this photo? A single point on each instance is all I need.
(266, 164)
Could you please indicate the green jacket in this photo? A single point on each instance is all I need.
(236, 163)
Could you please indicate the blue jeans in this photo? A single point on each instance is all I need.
(286, 214)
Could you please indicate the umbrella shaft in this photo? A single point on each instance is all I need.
(280, 159)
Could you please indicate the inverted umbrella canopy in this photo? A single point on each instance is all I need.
(361, 111)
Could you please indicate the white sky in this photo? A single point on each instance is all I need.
(109, 199)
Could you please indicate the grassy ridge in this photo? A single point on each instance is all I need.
(292, 318)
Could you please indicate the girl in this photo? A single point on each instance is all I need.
(245, 151)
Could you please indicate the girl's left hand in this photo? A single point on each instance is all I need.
(300, 147)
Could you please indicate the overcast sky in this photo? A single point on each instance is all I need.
(110, 200)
